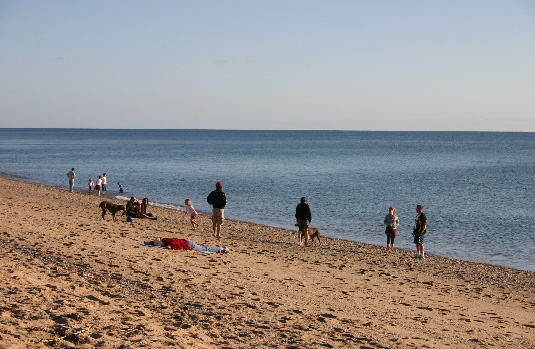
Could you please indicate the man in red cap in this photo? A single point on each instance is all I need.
(218, 200)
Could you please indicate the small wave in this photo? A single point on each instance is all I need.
(169, 206)
(157, 204)
(119, 197)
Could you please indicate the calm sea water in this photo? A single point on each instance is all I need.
(477, 187)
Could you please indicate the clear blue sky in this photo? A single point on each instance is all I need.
(224, 64)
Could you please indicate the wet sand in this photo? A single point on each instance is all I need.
(72, 279)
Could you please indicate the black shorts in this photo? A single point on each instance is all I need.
(303, 224)
(418, 239)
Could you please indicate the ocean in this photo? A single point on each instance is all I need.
(477, 187)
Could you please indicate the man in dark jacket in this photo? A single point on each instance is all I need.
(218, 200)
(131, 207)
(420, 227)
(303, 217)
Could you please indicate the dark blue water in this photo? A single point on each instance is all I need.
(477, 187)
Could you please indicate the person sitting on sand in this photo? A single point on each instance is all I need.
(183, 244)
(131, 207)
(142, 210)
(190, 211)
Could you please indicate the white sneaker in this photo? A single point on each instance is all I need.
(416, 256)
(421, 256)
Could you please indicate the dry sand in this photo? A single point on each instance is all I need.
(73, 280)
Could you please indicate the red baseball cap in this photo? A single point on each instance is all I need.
(219, 185)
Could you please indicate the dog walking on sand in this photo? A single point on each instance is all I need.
(313, 233)
(112, 208)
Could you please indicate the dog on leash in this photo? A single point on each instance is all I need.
(313, 233)
(112, 208)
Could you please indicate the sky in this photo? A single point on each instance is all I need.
(390, 65)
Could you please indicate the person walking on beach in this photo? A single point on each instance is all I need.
(71, 176)
(90, 184)
(420, 227)
(190, 211)
(104, 183)
(303, 217)
(392, 222)
(218, 200)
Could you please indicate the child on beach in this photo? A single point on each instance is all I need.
(121, 189)
(392, 222)
(190, 210)
(420, 227)
(104, 183)
(91, 184)
(99, 185)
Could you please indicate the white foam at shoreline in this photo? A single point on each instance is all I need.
(157, 204)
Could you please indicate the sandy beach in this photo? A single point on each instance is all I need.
(74, 280)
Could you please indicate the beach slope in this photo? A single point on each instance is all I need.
(72, 279)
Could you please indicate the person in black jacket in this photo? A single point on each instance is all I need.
(420, 227)
(132, 207)
(303, 217)
(218, 200)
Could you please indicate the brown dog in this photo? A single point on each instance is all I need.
(113, 208)
(314, 233)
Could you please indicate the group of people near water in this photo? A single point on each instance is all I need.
(99, 187)
(138, 209)
(303, 216)
(420, 227)
(218, 200)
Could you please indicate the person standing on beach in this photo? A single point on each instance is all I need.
(420, 227)
(104, 183)
(98, 187)
(218, 200)
(90, 184)
(392, 222)
(71, 176)
(303, 217)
